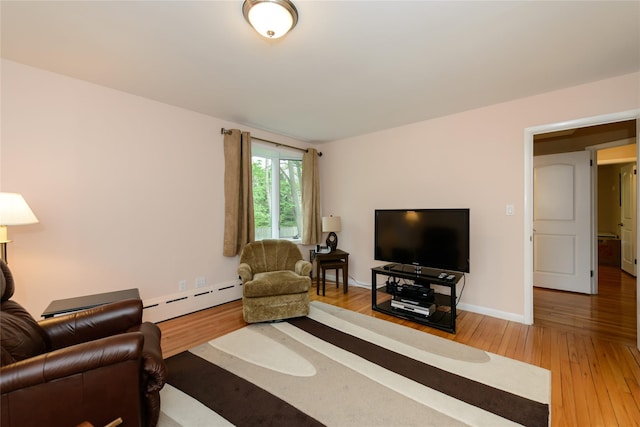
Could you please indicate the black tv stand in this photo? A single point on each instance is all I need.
(419, 280)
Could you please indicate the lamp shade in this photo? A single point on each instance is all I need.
(14, 210)
(270, 18)
(331, 223)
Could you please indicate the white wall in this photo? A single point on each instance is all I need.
(470, 160)
(128, 191)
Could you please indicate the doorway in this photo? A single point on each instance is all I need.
(530, 133)
(617, 209)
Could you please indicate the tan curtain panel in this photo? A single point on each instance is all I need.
(238, 195)
(311, 219)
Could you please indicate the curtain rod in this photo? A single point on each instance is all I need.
(224, 131)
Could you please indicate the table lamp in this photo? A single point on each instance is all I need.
(331, 224)
(14, 210)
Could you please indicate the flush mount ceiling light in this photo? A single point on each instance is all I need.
(270, 18)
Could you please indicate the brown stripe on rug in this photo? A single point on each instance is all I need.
(233, 398)
(507, 405)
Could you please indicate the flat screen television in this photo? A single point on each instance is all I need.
(432, 238)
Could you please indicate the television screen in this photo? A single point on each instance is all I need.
(435, 238)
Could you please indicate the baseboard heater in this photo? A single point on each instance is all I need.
(176, 305)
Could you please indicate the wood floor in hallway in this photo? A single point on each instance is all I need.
(610, 315)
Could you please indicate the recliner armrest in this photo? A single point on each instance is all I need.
(70, 361)
(245, 272)
(303, 268)
(153, 365)
(91, 324)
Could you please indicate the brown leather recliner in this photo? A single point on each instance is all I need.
(95, 365)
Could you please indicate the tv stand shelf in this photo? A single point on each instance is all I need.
(444, 317)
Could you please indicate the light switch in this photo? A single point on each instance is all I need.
(510, 210)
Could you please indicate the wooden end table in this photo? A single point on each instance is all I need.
(333, 260)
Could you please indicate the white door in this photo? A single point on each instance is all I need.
(628, 218)
(562, 238)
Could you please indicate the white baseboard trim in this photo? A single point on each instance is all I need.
(352, 281)
(512, 317)
(178, 304)
(182, 303)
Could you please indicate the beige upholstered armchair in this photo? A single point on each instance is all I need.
(275, 280)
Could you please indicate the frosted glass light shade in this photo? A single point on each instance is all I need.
(14, 210)
(270, 18)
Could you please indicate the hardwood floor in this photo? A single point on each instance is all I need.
(587, 342)
(611, 315)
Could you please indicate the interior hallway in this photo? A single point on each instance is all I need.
(610, 315)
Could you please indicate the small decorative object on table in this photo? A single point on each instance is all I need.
(331, 224)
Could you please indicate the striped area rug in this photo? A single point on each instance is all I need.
(340, 368)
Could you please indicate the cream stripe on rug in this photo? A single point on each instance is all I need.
(339, 388)
(336, 396)
(443, 403)
(181, 410)
(497, 371)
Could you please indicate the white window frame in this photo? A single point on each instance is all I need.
(276, 154)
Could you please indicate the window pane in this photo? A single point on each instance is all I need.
(277, 197)
(290, 222)
(262, 189)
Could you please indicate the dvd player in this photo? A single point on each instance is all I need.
(414, 308)
(414, 292)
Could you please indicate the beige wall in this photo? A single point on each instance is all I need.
(128, 191)
(609, 198)
(472, 160)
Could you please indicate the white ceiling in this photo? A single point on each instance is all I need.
(348, 67)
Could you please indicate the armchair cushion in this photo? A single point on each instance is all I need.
(20, 334)
(276, 283)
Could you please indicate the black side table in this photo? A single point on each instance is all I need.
(69, 305)
(333, 260)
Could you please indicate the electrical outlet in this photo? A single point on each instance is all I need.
(182, 285)
(201, 282)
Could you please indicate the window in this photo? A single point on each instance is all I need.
(277, 192)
